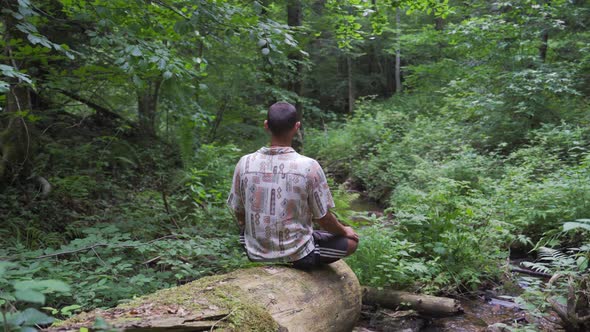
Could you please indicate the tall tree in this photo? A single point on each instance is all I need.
(398, 79)
(15, 139)
(295, 20)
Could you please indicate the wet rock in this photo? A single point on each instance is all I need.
(402, 321)
(498, 327)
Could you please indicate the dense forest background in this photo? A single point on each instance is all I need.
(121, 121)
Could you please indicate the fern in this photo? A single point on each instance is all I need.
(550, 254)
(551, 260)
(538, 267)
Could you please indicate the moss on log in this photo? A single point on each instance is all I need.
(270, 298)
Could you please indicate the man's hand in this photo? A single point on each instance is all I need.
(351, 234)
(332, 225)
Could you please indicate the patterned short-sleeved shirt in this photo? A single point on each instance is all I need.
(279, 191)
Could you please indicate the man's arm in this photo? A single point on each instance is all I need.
(320, 201)
(241, 219)
(235, 201)
(329, 223)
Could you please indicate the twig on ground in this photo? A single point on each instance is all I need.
(222, 319)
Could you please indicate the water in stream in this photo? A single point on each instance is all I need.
(477, 317)
(478, 314)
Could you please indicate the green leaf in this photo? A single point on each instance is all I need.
(53, 311)
(70, 308)
(32, 316)
(4, 87)
(29, 295)
(8, 297)
(582, 263)
(135, 51)
(28, 317)
(100, 324)
(4, 266)
(28, 329)
(568, 226)
(42, 285)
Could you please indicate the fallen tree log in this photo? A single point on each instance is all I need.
(425, 304)
(271, 298)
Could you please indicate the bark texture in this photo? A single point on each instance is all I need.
(426, 304)
(295, 20)
(257, 299)
(147, 106)
(15, 138)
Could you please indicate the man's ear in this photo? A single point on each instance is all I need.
(298, 125)
(266, 125)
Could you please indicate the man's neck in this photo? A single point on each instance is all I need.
(280, 142)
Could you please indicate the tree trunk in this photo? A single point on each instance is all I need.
(15, 138)
(544, 45)
(266, 65)
(147, 107)
(270, 298)
(439, 23)
(218, 119)
(389, 72)
(431, 305)
(398, 80)
(295, 20)
(350, 87)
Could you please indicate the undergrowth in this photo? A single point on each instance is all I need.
(454, 207)
(122, 220)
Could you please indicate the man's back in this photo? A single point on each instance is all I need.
(279, 191)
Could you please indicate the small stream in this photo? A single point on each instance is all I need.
(478, 316)
(479, 312)
(362, 204)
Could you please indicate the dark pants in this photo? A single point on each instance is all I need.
(328, 249)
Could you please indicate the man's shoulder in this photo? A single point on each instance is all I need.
(294, 160)
(305, 159)
(304, 165)
(248, 156)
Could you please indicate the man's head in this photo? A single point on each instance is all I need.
(281, 119)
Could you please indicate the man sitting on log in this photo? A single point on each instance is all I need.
(276, 192)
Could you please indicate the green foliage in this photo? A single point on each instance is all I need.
(17, 290)
(342, 203)
(108, 265)
(487, 146)
(340, 149)
(116, 224)
(542, 192)
(566, 292)
(210, 178)
(461, 207)
(384, 258)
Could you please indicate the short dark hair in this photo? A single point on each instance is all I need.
(281, 118)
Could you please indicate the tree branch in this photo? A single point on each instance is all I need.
(91, 247)
(98, 108)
